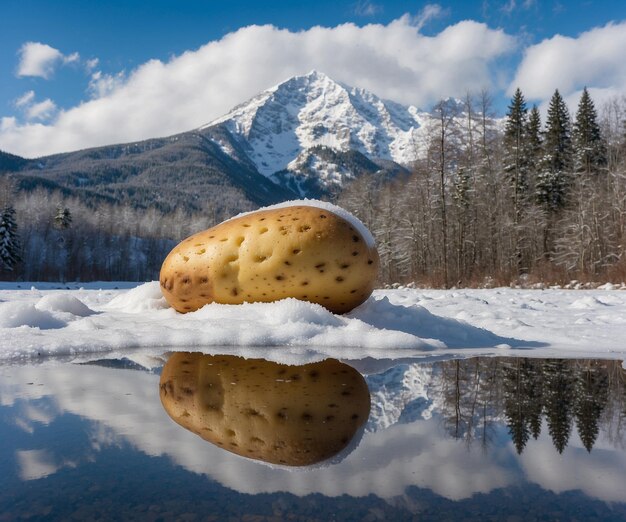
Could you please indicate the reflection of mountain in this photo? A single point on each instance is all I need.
(404, 448)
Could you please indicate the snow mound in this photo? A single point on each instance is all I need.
(586, 303)
(14, 315)
(418, 321)
(143, 298)
(64, 303)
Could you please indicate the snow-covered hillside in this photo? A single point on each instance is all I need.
(281, 123)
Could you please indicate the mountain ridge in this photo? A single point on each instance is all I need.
(305, 137)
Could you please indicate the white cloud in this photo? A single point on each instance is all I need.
(42, 110)
(594, 59)
(38, 59)
(509, 6)
(102, 84)
(32, 110)
(429, 12)
(367, 8)
(394, 61)
(71, 58)
(26, 99)
(91, 64)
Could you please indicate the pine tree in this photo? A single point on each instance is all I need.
(556, 162)
(589, 147)
(515, 149)
(9, 240)
(534, 143)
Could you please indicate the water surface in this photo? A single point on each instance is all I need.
(481, 438)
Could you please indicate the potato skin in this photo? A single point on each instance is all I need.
(302, 251)
(289, 415)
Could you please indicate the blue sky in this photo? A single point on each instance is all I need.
(77, 74)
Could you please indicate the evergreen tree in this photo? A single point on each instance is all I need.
(515, 149)
(534, 143)
(589, 147)
(591, 399)
(556, 162)
(62, 218)
(9, 240)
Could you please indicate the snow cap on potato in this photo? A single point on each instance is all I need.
(308, 250)
(289, 415)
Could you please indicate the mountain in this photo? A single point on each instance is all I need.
(285, 130)
(307, 136)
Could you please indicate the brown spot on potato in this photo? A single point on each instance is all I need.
(339, 279)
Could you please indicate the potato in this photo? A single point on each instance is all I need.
(290, 415)
(300, 251)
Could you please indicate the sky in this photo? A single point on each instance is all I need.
(77, 74)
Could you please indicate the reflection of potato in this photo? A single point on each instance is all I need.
(303, 252)
(291, 415)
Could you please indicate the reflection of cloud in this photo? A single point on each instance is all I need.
(600, 474)
(35, 464)
(39, 414)
(386, 463)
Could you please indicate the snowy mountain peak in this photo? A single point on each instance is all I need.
(279, 124)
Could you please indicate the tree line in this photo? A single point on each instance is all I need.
(504, 203)
(65, 239)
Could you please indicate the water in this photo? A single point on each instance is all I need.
(481, 439)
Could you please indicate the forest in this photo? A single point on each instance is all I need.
(513, 201)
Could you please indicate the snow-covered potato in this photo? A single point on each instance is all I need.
(306, 252)
(290, 415)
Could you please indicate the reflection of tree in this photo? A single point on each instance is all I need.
(469, 392)
(518, 400)
(558, 404)
(476, 392)
(591, 399)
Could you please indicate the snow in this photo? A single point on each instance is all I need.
(280, 123)
(324, 205)
(393, 324)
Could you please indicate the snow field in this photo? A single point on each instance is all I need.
(392, 324)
